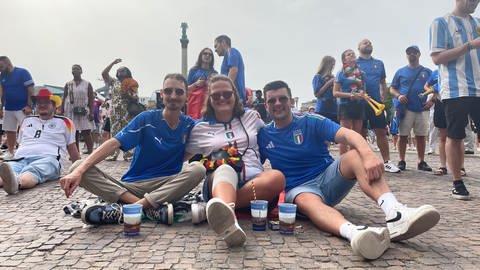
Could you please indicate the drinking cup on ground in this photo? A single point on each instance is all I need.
(286, 215)
(132, 215)
(259, 209)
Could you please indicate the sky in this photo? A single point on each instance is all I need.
(278, 39)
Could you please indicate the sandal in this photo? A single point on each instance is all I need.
(440, 171)
(463, 172)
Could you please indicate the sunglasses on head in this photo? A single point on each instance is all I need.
(178, 91)
(273, 100)
(224, 94)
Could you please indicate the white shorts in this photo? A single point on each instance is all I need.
(416, 120)
(12, 119)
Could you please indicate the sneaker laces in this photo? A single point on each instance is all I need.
(114, 214)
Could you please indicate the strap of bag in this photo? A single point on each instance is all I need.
(414, 79)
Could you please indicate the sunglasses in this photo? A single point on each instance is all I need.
(224, 94)
(178, 91)
(282, 99)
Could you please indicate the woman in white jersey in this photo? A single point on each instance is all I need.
(227, 138)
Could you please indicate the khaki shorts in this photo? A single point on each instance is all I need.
(416, 120)
(12, 119)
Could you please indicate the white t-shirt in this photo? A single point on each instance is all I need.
(39, 137)
(209, 136)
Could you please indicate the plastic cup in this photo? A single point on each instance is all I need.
(286, 215)
(132, 215)
(259, 210)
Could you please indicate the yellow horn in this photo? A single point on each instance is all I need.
(376, 106)
(429, 90)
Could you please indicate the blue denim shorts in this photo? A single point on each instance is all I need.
(330, 185)
(43, 168)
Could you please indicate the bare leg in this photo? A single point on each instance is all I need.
(455, 154)
(402, 147)
(268, 185)
(87, 137)
(442, 139)
(11, 140)
(382, 143)
(421, 142)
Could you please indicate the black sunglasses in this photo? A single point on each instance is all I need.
(178, 91)
(273, 100)
(224, 94)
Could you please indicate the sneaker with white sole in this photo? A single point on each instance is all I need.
(370, 242)
(199, 213)
(404, 222)
(7, 155)
(163, 214)
(102, 214)
(391, 167)
(222, 220)
(10, 180)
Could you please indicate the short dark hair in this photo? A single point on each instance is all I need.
(5, 59)
(177, 76)
(275, 85)
(77, 65)
(129, 73)
(224, 38)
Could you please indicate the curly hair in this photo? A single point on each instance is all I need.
(208, 112)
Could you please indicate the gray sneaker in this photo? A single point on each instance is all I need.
(370, 242)
(199, 212)
(222, 220)
(10, 180)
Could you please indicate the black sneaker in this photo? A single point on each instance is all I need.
(460, 192)
(102, 213)
(402, 165)
(423, 166)
(163, 214)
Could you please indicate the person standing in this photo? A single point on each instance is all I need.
(197, 82)
(16, 90)
(406, 86)
(376, 88)
(454, 44)
(77, 105)
(323, 89)
(232, 65)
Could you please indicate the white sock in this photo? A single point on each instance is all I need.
(387, 202)
(348, 230)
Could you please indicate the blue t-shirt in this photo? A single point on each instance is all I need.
(401, 82)
(15, 88)
(195, 73)
(233, 58)
(299, 150)
(346, 84)
(159, 150)
(374, 73)
(326, 103)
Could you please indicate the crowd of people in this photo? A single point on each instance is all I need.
(233, 135)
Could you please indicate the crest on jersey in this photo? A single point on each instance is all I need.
(51, 125)
(229, 135)
(298, 136)
(375, 66)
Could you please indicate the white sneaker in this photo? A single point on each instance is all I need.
(404, 222)
(10, 181)
(222, 219)
(391, 167)
(7, 155)
(370, 242)
(199, 213)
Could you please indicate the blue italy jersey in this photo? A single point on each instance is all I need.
(322, 106)
(374, 71)
(299, 150)
(233, 58)
(159, 150)
(195, 73)
(15, 88)
(401, 81)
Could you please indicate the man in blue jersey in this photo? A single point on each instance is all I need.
(232, 65)
(406, 87)
(377, 89)
(454, 45)
(295, 145)
(16, 90)
(155, 175)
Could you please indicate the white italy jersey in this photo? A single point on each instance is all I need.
(39, 137)
(209, 136)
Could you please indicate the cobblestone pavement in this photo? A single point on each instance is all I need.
(36, 234)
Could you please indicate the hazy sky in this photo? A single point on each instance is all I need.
(279, 39)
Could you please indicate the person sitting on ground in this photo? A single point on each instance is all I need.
(227, 138)
(44, 140)
(295, 145)
(155, 175)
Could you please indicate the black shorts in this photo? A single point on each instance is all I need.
(106, 124)
(1, 131)
(456, 114)
(351, 111)
(331, 116)
(371, 120)
(439, 120)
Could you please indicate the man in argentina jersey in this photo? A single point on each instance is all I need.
(296, 145)
(454, 44)
(157, 174)
(44, 140)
